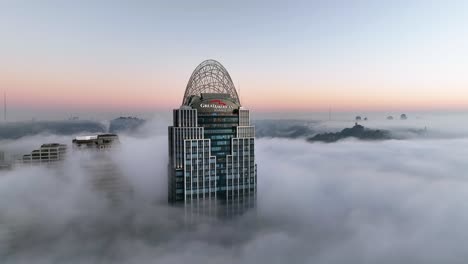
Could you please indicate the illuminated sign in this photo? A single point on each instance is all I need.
(217, 101)
(218, 104)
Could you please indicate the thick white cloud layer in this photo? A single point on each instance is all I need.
(398, 201)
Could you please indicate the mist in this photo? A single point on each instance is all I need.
(424, 125)
(394, 201)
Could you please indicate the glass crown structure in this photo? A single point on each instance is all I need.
(211, 143)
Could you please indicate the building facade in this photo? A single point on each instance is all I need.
(211, 145)
(97, 142)
(47, 153)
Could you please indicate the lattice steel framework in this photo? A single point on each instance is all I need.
(210, 77)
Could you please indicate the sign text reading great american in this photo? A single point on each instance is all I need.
(216, 104)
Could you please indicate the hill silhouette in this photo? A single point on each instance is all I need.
(357, 131)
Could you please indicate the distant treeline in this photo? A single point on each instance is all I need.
(21, 129)
(284, 128)
(17, 130)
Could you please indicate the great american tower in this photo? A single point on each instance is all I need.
(212, 144)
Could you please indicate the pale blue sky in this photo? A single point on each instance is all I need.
(313, 48)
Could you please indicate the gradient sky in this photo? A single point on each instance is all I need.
(137, 56)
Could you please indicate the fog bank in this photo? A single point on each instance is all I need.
(395, 201)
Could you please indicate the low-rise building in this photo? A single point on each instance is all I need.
(99, 142)
(47, 153)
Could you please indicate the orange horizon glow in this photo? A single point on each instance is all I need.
(140, 92)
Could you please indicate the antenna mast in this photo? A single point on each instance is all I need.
(4, 106)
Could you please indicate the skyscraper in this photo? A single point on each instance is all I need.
(211, 144)
(95, 156)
